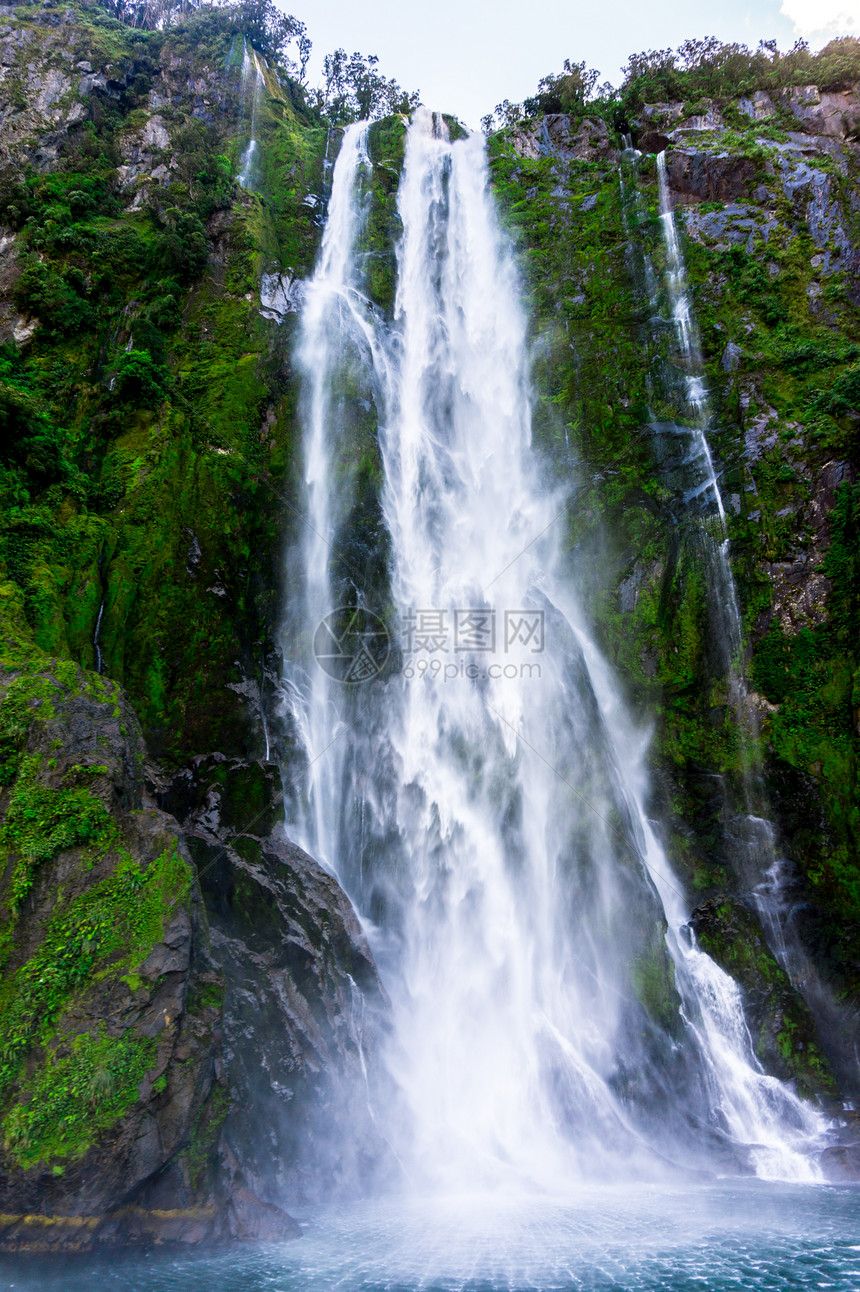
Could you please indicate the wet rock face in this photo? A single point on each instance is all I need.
(800, 587)
(841, 1164)
(565, 138)
(696, 175)
(835, 114)
(304, 1012)
(758, 107)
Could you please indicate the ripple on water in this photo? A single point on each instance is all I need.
(728, 1236)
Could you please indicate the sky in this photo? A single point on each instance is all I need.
(465, 56)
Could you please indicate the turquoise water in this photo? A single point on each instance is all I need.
(701, 1239)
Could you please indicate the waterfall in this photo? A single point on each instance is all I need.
(97, 638)
(763, 871)
(252, 87)
(481, 793)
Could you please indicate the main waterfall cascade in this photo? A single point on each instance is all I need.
(482, 798)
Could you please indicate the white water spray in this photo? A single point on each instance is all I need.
(485, 807)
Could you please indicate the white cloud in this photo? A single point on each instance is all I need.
(820, 20)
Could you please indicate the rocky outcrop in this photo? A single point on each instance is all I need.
(758, 106)
(565, 138)
(800, 588)
(304, 1010)
(835, 114)
(182, 1045)
(48, 90)
(697, 175)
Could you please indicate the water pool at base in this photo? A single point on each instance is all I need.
(724, 1236)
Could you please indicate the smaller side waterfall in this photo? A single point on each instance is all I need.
(701, 492)
(689, 348)
(760, 868)
(336, 341)
(253, 83)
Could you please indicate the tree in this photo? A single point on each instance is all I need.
(566, 92)
(355, 90)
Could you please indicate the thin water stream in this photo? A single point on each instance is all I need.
(762, 870)
(253, 85)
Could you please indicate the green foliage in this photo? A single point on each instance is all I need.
(261, 22)
(842, 397)
(75, 1096)
(698, 71)
(183, 249)
(139, 381)
(206, 183)
(842, 566)
(25, 696)
(272, 32)
(109, 926)
(41, 821)
(798, 352)
(715, 69)
(567, 92)
(28, 441)
(751, 283)
(58, 297)
(355, 90)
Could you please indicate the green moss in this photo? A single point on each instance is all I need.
(77, 1094)
(40, 822)
(105, 931)
(152, 403)
(653, 978)
(205, 1135)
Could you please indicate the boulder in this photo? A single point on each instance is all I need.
(841, 1163)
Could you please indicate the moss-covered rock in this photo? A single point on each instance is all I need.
(103, 1067)
(124, 1115)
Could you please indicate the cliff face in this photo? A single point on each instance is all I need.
(189, 1012)
(154, 394)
